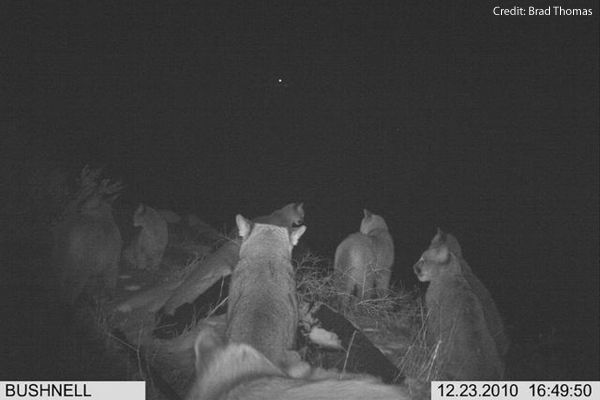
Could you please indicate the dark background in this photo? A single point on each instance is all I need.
(428, 113)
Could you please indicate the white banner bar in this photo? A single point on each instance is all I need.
(92, 390)
(515, 390)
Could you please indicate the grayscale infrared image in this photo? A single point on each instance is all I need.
(299, 200)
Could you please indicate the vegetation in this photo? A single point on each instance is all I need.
(87, 345)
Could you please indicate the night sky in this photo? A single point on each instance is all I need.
(428, 113)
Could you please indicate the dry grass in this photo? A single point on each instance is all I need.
(396, 323)
(420, 361)
(313, 279)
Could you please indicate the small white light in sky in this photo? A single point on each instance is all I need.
(280, 81)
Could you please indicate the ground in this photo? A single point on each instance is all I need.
(44, 342)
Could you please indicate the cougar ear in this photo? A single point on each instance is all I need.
(367, 213)
(299, 207)
(296, 233)
(244, 226)
(439, 238)
(453, 245)
(442, 254)
(141, 208)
